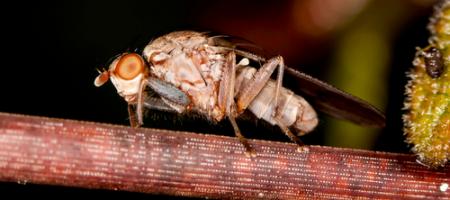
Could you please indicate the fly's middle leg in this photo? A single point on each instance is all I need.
(226, 100)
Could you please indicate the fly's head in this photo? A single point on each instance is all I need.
(126, 73)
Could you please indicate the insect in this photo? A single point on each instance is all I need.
(211, 75)
(434, 63)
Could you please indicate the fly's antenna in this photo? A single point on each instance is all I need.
(102, 78)
(100, 71)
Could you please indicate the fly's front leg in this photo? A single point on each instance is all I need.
(226, 100)
(136, 117)
(140, 104)
(259, 81)
(132, 116)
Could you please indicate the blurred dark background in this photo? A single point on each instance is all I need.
(53, 48)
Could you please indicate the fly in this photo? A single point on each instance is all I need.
(192, 71)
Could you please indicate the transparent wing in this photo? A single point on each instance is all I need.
(242, 46)
(335, 102)
(321, 95)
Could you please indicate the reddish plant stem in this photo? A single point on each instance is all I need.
(92, 155)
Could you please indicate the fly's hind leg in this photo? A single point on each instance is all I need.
(254, 87)
(259, 81)
(226, 100)
(301, 146)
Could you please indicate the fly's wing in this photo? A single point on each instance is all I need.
(335, 102)
(242, 46)
(321, 95)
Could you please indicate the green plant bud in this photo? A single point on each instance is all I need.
(427, 120)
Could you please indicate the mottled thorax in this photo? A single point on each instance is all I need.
(192, 66)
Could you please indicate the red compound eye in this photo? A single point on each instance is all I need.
(129, 66)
